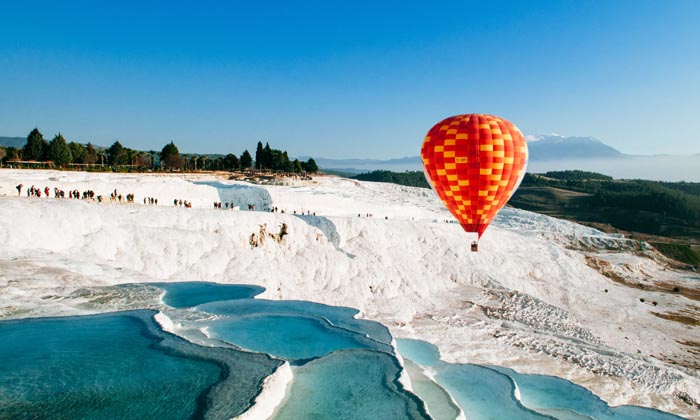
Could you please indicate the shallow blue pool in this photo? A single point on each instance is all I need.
(550, 394)
(340, 317)
(122, 365)
(293, 330)
(189, 294)
(97, 367)
(488, 392)
(350, 384)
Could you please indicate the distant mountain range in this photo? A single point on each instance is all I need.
(553, 146)
(13, 141)
(542, 148)
(554, 153)
(357, 166)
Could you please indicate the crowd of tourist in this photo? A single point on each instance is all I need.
(181, 203)
(57, 193)
(117, 197)
(227, 205)
(255, 239)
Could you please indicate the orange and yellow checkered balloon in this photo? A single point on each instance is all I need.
(475, 163)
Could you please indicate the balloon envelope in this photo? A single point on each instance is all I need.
(475, 162)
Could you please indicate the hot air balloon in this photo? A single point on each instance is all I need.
(474, 162)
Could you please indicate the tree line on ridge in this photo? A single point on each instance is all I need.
(60, 153)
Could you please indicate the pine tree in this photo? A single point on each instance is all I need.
(267, 157)
(231, 162)
(246, 160)
(296, 166)
(259, 156)
(78, 152)
(171, 156)
(34, 149)
(311, 166)
(116, 155)
(285, 163)
(59, 151)
(44, 151)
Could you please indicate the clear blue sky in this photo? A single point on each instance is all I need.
(349, 79)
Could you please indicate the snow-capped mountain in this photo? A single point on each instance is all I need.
(554, 146)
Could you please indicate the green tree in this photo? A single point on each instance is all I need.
(59, 151)
(246, 160)
(3, 153)
(217, 163)
(276, 158)
(45, 151)
(13, 154)
(311, 166)
(131, 156)
(78, 152)
(231, 162)
(285, 163)
(259, 156)
(116, 154)
(34, 149)
(296, 166)
(90, 155)
(267, 157)
(170, 155)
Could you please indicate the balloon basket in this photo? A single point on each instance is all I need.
(475, 246)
